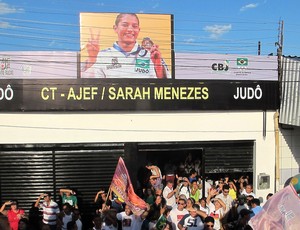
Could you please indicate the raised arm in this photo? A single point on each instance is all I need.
(97, 195)
(3, 207)
(37, 203)
(64, 190)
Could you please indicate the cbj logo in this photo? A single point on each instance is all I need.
(220, 66)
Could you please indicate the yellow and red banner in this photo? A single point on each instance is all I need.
(121, 185)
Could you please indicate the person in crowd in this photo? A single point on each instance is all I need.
(155, 211)
(203, 205)
(184, 187)
(269, 196)
(190, 202)
(232, 190)
(170, 171)
(100, 198)
(139, 219)
(217, 208)
(24, 224)
(219, 185)
(126, 58)
(249, 199)
(206, 187)
(209, 223)
(248, 190)
(162, 220)
(34, 217)
(155, 178)
(110, 221)
(68, 196)
(188, 164)
(241, 204)
(255, 207)
(243, 221)
(105, 206)
(65, 216)
(14, 214)
(192, 175)
(50, 210)
(126, 218)
(177, 213)
(224, 196)
(169, 193)
(193, 219)
(97, 223)
(226, 179)
(77, 218)
(4, 223)
(197, 164)
(149, 196)
(181, 171)
(195, 191)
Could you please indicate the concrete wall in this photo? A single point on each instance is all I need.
(289, 153)
(34, 128)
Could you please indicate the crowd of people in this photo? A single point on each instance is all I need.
(176, 199)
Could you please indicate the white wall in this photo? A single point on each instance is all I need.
(142, 127)
(289, 153)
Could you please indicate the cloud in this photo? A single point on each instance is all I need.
(216, 31)
(189, 40)
(249, 6)
(5, 25)
(7, 9)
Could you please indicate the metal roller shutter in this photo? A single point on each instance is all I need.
(28, 170)
(229, 158)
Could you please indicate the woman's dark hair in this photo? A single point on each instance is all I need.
(119, 17)
(14, 202)
(192, 200)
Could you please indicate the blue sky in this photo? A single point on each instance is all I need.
(214, 26)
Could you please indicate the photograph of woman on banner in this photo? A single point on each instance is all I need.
(126, 58)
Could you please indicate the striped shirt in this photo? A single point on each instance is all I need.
(49, 212)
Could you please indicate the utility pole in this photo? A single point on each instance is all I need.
(279, 45)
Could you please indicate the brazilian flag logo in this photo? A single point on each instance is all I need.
(142, 63)
(242, 61)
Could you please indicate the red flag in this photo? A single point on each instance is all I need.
(281, 211)
(122, 187)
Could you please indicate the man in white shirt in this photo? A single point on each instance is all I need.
(169, 194)
(224, 196)
(192, 221)
(184, 187)
(126, 218)
(178, 213)
(50, 210)
(248, 190)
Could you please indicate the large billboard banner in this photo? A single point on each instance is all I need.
(126, 45)
(126, 63)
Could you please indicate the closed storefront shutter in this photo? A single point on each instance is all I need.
(27, 171)
(229, 158)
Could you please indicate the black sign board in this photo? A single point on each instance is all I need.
(137, 95)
